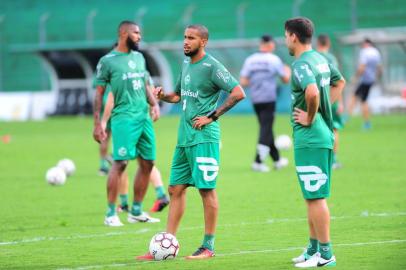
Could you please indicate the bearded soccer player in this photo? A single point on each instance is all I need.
(196, 158)
(314, 83)
(131, 126)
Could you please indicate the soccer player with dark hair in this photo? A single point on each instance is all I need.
(368, 71)
(337, 108)
(260, 73)
(196, 158)
(314, 83)
(133, 136)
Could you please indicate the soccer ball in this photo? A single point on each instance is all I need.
(163, 246)
(67, 165)
(56, 176)
(283, 142)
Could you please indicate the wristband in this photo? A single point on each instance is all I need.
(212, 115)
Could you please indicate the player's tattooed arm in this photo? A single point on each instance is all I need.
(235, 96)
(170, 97)
(98, 133)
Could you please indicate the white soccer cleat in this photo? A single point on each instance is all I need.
(317, 261)
(259, 167)
(302, 258)
(113, 221)
(281, 163)
(144, 217)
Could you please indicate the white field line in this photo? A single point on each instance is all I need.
(242, 252)
(364, 214)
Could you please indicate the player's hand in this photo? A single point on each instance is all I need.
(104, 125)
(98, 133)
(340, 108)
(155, 112)
(158, 92)
(300, 117)
(201, 121)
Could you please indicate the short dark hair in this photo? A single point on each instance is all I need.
(323, 39)
(266, 38)
(302, 27)
(367, 40)
(203, 31)
(125, 23)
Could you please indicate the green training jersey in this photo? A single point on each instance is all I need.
(199, 86)
(311, 67)
(125, 73)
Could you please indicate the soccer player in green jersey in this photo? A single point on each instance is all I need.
(131, 126)
(196, 158)
(337, 108)
(314, 83)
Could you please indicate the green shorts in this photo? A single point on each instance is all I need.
(197, 165)
(313, 168)
(132, 138)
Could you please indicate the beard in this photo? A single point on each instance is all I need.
(291, 53)
(132, 45)
(191, 53)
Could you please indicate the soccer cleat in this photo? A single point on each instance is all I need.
(113, 221)
(317, 261)
(146, 257)
(160, 204)
(201, 254)
(259, 167)
(122, 208)
(302, 258)
(282, 162)
(144, 217)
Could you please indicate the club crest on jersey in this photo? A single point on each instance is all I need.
(312, 176)
(131, 64)
(208, 165)
(187, 79)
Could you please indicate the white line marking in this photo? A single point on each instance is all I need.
(242, 252)
(364, 214)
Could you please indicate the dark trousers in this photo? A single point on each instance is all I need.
(266, 113)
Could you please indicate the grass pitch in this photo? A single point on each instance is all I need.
(262, 222)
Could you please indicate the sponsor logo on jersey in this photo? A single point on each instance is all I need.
(312, 176)
(189, 93)
(122, 151)
(209, 167)
(133, 75)
(207, 64)
(131, 64)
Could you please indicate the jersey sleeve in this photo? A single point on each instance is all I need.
(178, 84)
(303, 75)
(222, 78)
(280, 69)
(246, 69)
(335, 74)
(103, 74)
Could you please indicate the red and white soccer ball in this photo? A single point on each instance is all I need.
(164, 246)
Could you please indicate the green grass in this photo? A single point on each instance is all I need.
(261, 215)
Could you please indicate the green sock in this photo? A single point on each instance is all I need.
(111, 209)
(160, 192)
(313, 247)
(208, 241)
(123, 199)
(136, 210)
(326, 251)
